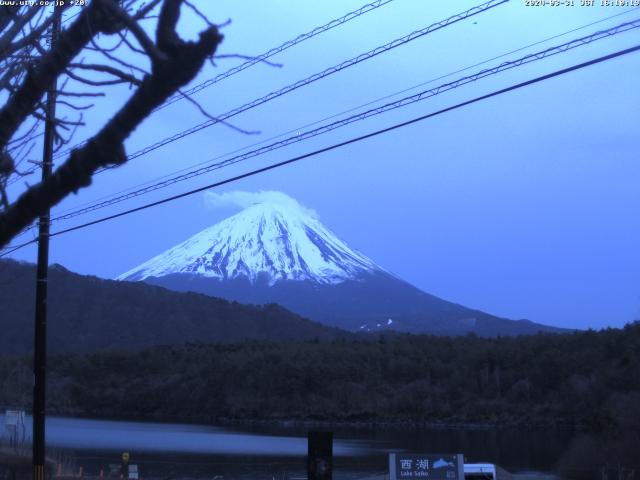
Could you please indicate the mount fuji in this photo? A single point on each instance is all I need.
(277, 251)
(266, 242)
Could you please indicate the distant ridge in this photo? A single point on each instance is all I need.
(88, 313)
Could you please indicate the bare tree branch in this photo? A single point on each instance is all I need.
(101, 83)
(26, 135)
(141, 36)
(143, 11)
(51, 65)
(4, 200)
(187, 97)
(18, 23)
(166, 36)
(7, 13)
(105, 53)
(198, 13)
(96, 48)
(107, 69)
(132, 47)
(35, 34)
(66, 93)
(75, 107)
(179, 63)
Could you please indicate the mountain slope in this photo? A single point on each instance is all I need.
(265, 240)
(375, 302)
(278, 251)
(87, 314)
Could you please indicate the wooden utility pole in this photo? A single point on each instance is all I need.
(40, 340)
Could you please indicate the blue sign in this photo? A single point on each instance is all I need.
(426, 466)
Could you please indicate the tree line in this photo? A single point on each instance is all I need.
(587, 379)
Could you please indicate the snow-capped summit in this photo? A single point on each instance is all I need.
(274, 238)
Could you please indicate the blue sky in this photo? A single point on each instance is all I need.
(524, 205)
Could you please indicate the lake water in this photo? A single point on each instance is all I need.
(199, 451)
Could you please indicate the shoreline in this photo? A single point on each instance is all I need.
(396, 424)
(339, 424)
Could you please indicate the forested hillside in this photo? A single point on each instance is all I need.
(87, 313)
(589, 379)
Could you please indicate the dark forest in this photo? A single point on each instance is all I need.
(585, 380)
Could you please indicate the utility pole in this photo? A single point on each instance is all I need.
(40, 340)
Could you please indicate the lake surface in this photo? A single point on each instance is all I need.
(200, 451)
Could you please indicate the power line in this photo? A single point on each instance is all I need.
(390, 106)
(318, 76)
(352, 109)
(281, 48)
(365, 56)
(354, 139)
(10, 249)
(266, 55)
(92, 206)
(423, 95)
(357, 139)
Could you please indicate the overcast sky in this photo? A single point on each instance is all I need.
(524, 205)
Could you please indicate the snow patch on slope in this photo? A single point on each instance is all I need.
(276, 237)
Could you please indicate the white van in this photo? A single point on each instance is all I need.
(485, 471)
